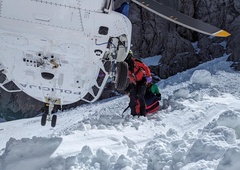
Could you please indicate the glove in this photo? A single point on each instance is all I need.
(149, 79)
(159, 96)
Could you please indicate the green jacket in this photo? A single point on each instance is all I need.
(152, 90)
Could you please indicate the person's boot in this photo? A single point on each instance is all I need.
(133, 111)
(142, 111)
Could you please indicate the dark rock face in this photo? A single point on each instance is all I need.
(153, 35)
(175, 43)
(17, 105)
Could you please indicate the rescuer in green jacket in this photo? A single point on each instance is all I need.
(152, 91)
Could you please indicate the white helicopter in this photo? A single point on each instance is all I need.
(63, 51)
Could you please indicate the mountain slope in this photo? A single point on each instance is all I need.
(199, 130)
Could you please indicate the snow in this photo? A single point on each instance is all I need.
(200, 130)
(152, 61)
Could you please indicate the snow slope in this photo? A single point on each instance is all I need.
(200, 130)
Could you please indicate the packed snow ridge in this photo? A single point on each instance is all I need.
(200, 130)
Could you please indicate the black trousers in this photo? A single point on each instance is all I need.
(137, 92)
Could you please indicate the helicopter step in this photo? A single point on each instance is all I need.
(48, 116)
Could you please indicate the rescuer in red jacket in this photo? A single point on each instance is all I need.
(139, 75)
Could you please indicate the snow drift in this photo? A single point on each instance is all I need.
(200, 130)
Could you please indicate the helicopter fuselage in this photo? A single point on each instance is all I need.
(57, 50)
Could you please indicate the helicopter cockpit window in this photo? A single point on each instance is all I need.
(11, 86)
(2, 77)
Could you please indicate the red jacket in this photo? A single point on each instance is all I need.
(140, 71)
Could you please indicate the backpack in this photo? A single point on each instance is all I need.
(152, 105)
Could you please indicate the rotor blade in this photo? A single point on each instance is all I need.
(181, 19)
